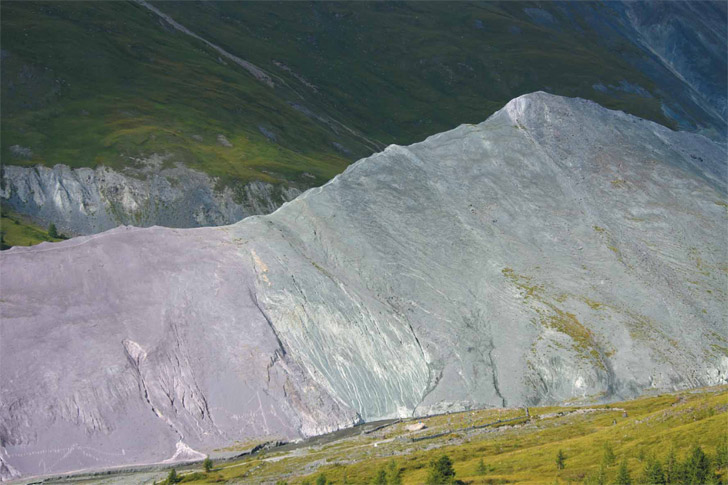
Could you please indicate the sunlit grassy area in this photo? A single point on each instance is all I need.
(17, 231)
(520, 451)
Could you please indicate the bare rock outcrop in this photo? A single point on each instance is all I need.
(89, 201)
(556, 251)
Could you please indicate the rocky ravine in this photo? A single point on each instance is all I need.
(88, 201)
(556, 251)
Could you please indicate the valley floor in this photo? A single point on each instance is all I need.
(515, 447)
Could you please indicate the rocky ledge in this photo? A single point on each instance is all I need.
(88, 201)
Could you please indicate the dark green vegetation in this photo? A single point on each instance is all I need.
(441, 471)
(404, 71)
(85, 84)
(15, 230)
(172, 477)
(560, 460)
(679, 438)
(88, 84)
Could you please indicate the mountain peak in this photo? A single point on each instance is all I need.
(557, 251)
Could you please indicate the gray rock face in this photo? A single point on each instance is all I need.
(683, 52)
(122, 363)
(556, 251)
(689, 38)
(88, 201)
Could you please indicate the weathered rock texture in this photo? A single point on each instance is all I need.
(88, 201)
(556, 251)
(688, 38)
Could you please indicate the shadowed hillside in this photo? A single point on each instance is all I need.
(197, 100)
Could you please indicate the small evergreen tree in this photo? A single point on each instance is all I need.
(207, 464)
(441, 472)
(654, 474)
(321, 480)
(608, 458)
(697, 467)
(52, 231)
(481, 469)
(672, 467)
(394, 473)
(380, 478)
(560, 460)
(172, 477)
(721, 453)
(623, 477)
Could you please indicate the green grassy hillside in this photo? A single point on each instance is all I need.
(403, 71)
(637, 433)
(103, 83)
(85, 84)
(15, 230)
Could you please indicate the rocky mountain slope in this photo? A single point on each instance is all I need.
(230, 94)
(557, 251)
(88, 201)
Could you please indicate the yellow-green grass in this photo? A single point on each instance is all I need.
(17, 231)
(520, 453)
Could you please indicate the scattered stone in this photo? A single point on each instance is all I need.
(416, 426)
(21, 151)
(267, 133)
(341, 148)
(222, 140)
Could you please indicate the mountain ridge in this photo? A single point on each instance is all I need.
(117, 84)
(557, 251)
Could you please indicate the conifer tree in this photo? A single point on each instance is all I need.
(380, 478)
(394, 473)
(654, 474)
(172, 477)
(560, 460)
(623, 476)
(608, 458)
(672, 467)
(697, 466)
(52, 231)
(441, 471)
(721, 453)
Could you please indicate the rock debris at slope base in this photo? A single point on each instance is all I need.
(556, 251)
(88, 201)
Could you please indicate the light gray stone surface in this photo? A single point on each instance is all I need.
(88, 201)
(556, 251)
(132, 345)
